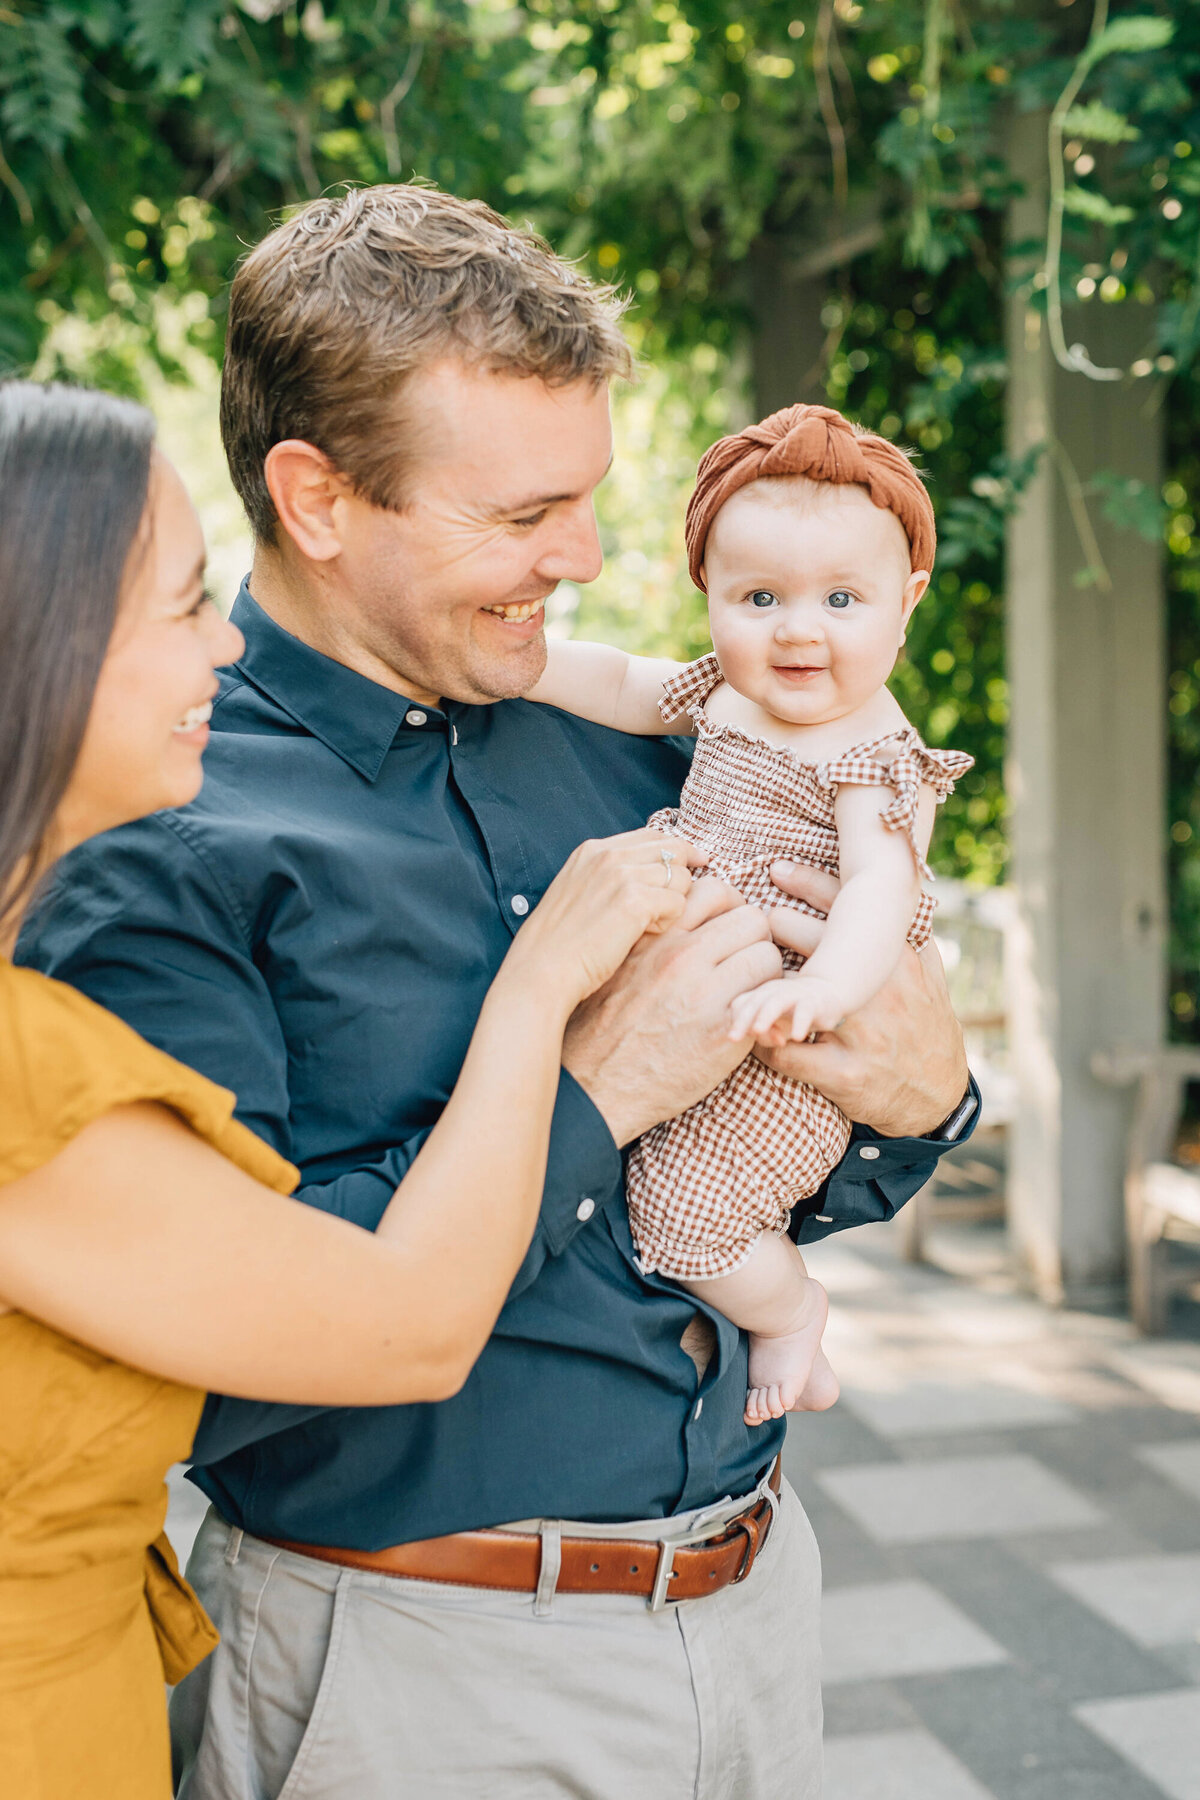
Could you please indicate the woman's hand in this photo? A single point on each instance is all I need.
(608, 894)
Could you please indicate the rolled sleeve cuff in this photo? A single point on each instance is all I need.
(583, 1169)
(873, 1180)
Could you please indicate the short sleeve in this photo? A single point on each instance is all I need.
(687, 691)
(64, 1062)
(904, 764)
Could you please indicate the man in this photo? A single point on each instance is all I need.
(415, 411)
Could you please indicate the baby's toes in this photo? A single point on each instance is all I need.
(755, 1412)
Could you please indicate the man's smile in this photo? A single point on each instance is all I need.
(515, 612)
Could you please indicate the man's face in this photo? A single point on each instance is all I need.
(450, 592)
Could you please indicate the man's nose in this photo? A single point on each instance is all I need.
(575, 553)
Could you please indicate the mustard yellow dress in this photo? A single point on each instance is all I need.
(94, 1614)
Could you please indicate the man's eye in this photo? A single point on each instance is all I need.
(840, 599)
(761, 597)
(206, 599)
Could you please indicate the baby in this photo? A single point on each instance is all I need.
(814, 542)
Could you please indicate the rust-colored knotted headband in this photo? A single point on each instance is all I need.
(818, 442)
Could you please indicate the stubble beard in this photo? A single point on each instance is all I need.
(508, 678)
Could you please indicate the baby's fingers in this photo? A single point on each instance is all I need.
(756, 1012)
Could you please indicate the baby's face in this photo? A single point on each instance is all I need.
(809, 591)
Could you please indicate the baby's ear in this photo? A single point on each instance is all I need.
(914, 588)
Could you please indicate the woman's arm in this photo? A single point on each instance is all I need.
(141, 1240)
(608, 686)
(865, 932)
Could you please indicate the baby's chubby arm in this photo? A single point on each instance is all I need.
(868, 924)
(608, 686)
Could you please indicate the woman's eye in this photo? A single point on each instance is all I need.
(761, 597)
(840, 599)
(206, 599)
(531, 521)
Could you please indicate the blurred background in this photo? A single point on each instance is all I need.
(975, 226)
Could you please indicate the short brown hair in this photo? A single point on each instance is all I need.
(332, 312)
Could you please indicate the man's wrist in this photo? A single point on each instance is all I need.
(957, 1120)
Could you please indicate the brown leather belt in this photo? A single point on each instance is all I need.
(669, 1569)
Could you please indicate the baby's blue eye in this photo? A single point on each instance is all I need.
(761, 597)
(840, 599)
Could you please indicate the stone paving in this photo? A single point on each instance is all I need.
(1007, 1500)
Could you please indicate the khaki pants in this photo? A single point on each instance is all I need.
(335, 1684)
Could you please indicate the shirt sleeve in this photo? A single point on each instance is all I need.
(143, 924)
(873, 1180)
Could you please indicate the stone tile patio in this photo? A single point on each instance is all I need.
(1008, 1504)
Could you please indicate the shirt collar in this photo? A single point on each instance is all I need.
(354, 717)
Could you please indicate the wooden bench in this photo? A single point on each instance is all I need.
(1162, 1198)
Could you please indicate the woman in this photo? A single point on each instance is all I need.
(147, 1251)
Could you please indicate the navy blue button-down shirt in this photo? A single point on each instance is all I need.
(317, 932)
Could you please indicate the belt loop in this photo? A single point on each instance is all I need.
(550, 1533)
(233, 1548)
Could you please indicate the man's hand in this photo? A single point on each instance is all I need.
(897, 1065)
(655, 1038)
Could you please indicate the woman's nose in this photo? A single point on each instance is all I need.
(225, 641)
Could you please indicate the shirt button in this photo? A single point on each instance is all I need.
(415, 717)
(584, 1211)
(520, 905)
(869, 1153)
(699, 1409)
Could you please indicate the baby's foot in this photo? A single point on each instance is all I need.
(789, 1371)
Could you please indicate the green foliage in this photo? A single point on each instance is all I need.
(1085, 203)
(1099, 124)
(666, 142)
(171, 38)
(1129, 36)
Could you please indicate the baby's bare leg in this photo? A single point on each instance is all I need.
(773, 1298)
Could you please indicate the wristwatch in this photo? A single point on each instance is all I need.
(952, 1128)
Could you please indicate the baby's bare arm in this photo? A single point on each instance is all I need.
(608, 686)
(866, 930)
(881, 885)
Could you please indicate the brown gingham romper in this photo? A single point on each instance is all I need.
(704, 1187)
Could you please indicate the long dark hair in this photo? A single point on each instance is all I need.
(74, 474)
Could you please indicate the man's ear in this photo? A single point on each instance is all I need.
(914, 588)
(305, 489)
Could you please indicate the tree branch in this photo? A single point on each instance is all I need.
(834, 129)
(391, 100)
(1076, 359)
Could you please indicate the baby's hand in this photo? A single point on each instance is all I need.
(793, 1008)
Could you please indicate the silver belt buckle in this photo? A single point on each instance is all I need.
(706, 1527)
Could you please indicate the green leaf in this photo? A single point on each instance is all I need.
(1100, 124)
(170, 38)
(40, 82)
(1131, 505)
(1129, 36)
(1089, 205)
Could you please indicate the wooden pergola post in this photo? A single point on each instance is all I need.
(1086, 776)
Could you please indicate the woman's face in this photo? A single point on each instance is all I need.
(148, 724)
